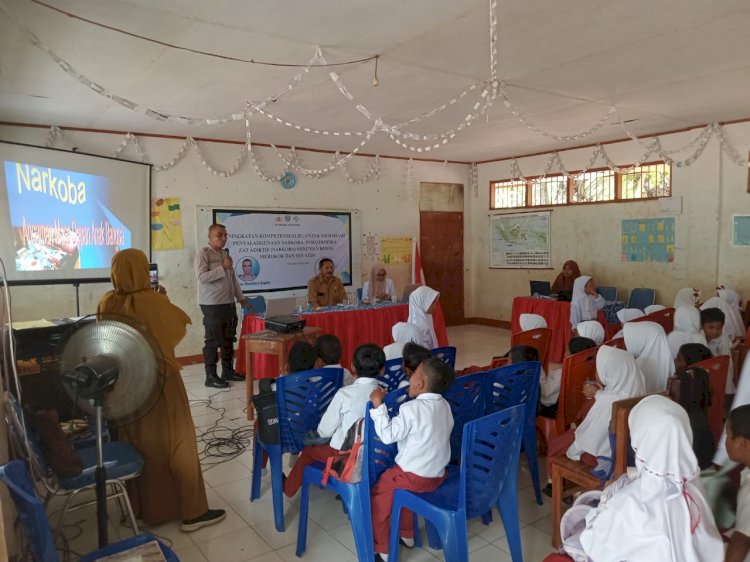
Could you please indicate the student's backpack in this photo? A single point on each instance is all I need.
(268, 413)
(346, 465)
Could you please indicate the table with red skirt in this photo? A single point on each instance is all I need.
(557, 315)
(353, 326)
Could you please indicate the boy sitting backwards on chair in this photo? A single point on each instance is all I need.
(423, 430)
(347, 406)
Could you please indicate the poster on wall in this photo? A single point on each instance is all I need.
(520, 241)
(279, 250)
(741, 230)
(396, 250)
(648, 240)
(166, 224)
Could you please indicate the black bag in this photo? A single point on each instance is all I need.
(267, 411)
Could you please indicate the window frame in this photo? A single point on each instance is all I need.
(569, 197)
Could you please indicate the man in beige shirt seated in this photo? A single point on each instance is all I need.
(325, 289)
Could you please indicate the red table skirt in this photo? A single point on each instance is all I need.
(353, 328)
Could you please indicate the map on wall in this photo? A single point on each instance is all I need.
(648, 240)
(520, 241)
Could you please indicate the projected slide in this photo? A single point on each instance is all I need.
(63, 214)
(276, 250)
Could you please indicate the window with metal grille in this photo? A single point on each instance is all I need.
(647, 181)
(590, 187)
(549, 190)
(508, 194)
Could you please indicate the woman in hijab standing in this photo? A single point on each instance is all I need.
(563, 283)
(171, 484)
(422, 302)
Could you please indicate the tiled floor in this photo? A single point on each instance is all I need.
(248, 532)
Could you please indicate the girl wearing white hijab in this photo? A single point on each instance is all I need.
(592, 330)
(650, 309)
(402, 333)
(730, 296)
(687, 329)
(531, 322)
(421, 304)
(619, 378)
(662, 514)
(585, 301)
(648, 344)
(687, 297)
(627, 315)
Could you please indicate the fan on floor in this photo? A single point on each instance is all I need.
(114, 370)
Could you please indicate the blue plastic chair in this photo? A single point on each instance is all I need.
(393, 374)
(377, 457)
(302, 399)
(488, 478)
(33, 517)
(518, 384)
(257, 304)
(467, 402)
(641, 298)
(609, 293)
(446, 354)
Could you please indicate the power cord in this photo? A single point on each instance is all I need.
(219, 442)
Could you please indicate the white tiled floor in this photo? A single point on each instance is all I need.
(248, 532)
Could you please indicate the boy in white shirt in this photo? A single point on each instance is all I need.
(347, 406)
(328, 354)
(422, 429)
(738, 449)
(712, 325)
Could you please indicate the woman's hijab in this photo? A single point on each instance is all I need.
(419, 303)
(403, 332)
(565, 284)
(650, 309)
(377, 286)
(622, 379)
(647, 342)
(629, 314)
(662, 514)
(134, 298)
(687, 297)
(687, 329)
(592, 330)
(531, 322)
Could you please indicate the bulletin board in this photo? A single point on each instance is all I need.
(395, 253)
(648, 240)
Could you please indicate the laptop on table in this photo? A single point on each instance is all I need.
(540, 288)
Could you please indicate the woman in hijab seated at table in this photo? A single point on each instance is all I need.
(422, 303)
(171, 484)
(658, 510)
(379, 287)
(563, 283)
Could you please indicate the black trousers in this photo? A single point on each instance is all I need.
(220, 325)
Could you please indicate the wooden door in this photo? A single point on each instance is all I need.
(441, 246)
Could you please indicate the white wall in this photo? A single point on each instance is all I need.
(386, 210)
(712, 190)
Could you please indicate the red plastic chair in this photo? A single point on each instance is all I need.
(576, 369)
(538, 338)
(664, 317)
(718, 370)
(619, 343)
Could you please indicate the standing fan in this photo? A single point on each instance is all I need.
(113, 369)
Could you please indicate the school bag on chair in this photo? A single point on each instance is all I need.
(346, 465)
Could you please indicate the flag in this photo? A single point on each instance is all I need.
(417, 274)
